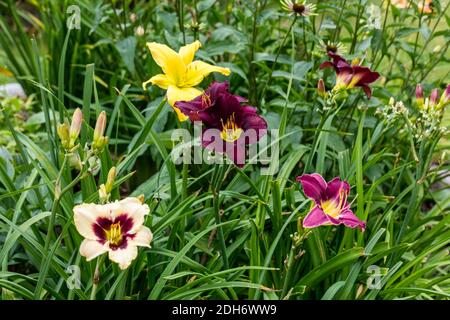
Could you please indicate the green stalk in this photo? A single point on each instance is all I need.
(263, 91)
(218, 170)
(96, 277)
(55, 206)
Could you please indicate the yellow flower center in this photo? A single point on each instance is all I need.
(114, 234)
(333, 208)
(330, 208)
(230, 131)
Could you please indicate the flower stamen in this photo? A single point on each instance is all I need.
(230, 130)
(114, 234)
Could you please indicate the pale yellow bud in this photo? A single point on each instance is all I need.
(75, 127)
(110, 181)
(100, 140)
(64, 136)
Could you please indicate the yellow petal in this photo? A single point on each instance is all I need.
(169, 61)
(198, 70)
(160, 80)
(175, 94)
(187, 52)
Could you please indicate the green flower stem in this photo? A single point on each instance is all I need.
(411, 141)
(218, 175)
(96, 277)
(287, 278)
(55, 206)
(263, 91)
(323, 118)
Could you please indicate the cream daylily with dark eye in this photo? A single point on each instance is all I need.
(114, 228)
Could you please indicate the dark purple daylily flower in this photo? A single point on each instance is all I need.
(330, 198)
(349, 76)
(228, 124)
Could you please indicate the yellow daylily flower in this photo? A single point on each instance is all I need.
(181, 73)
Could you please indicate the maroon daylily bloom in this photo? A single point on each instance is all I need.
(330, 199)
(228, 124)
(349, 76)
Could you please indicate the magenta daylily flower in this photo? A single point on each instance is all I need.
(349, 76)
(228, 123)
(330, 198)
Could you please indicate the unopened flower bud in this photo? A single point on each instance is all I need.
(99, 140)
(110, 180)
(321, 88)
(100, 126)
(391, 101)
(419, 95)
(64, 136)
(75, 161)
(141, 198)
(102, 194)
(140, 31)
(434, 97)
(75, 127)
(445, 98)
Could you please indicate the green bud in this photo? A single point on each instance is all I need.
(110, 181)
(64, 136)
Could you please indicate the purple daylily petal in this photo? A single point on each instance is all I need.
(348, 218)
(349, 76)
(330, 201)
(314, 186)
(334, 188)
(218, 109)
(315, 218)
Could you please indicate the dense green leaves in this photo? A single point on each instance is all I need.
(221, 231)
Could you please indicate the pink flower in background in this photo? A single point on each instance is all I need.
(330, 198)
(349, 76)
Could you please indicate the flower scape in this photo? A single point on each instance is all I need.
(254, 150)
